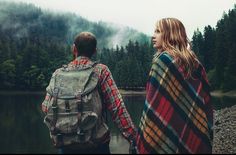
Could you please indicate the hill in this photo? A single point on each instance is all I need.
(34, 42)
(21, 20)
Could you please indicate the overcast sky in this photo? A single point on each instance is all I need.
(143, 14)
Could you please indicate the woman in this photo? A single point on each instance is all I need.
(178, 115)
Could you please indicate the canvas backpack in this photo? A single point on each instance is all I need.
(75, 110)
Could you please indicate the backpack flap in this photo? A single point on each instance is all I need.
(70, 82)
(91, 84)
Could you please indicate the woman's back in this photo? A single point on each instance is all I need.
(177, 116)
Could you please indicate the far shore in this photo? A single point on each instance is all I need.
(216, 93)
(132, 92)
(220, 93)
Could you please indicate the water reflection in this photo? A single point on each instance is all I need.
(134, 105)
(22, 129)
(223, 101)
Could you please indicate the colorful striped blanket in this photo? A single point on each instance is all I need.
(177, 115)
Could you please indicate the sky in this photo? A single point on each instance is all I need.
(143, 14)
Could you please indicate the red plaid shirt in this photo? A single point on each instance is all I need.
(111, 96)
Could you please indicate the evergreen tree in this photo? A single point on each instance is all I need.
(209, 48)
(221, 53)
(198, 44)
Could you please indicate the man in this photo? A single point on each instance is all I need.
(83, 49)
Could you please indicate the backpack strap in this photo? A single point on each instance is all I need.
(54, 130)
(104, 111)
(90, 76)
(55, 108)
(80, 133)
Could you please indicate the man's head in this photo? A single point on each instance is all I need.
(85, 44)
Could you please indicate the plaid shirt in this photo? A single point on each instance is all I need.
(111, 98)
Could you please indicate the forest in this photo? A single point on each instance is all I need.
(35, 42)
(216, 49)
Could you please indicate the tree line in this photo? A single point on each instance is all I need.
(216, 48)
(35, 42)
(130, 64)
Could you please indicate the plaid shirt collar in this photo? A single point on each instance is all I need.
(81, 60)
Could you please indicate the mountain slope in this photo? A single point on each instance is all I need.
(26, 20)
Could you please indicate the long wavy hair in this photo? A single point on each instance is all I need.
(175, 42)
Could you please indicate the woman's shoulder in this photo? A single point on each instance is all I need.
(163, 57)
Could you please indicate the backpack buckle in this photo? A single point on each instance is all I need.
(59, 138)
(67, 106)
(56, 91)
(54, 107)
(65, 67)
(80, 107)
(79, 95)
(79, 100)
(81, 135)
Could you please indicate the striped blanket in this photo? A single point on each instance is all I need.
(177, 115)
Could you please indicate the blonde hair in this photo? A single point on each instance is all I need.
(175, 42)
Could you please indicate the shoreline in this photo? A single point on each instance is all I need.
(220, 93)
(132, 92)
(215, 93)
(224, 133)
(20, 92)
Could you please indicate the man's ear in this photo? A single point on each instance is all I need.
(75, 51)
(95, 50)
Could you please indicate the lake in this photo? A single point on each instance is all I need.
(22, 129)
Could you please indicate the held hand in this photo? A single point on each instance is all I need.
(133, 148)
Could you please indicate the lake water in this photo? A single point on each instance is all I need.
(22, 129)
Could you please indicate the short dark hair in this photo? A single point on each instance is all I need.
(86, 44)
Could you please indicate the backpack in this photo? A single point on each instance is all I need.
(75, 110)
